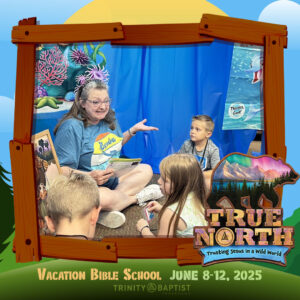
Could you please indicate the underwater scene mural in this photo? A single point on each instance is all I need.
(244, 103)
(60, 70)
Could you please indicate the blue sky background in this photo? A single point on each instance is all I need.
(58, 11)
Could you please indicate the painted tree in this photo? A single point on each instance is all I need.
(46, 144)
(7, 209)
(41, 143)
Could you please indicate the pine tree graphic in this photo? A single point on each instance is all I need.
(7, 209)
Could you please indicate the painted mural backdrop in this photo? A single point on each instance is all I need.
(60, 70)
(244, 103)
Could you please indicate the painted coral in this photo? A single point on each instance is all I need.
(51, 68)
(96, 72)
(79, 57)
(39, 91)
(81, 79)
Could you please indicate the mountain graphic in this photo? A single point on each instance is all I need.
(239, 176)
(235, 171)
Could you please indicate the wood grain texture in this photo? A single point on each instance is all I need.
(24, 88)
(161, 34)
(22, 161)
(274, 118)
(274, 97)
(28, 21)
(148, 247)
(26, 226)
(188, 255)
(24, 96)
(67, 33)
(239, 30)
(68, 248)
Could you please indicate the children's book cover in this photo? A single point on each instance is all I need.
(250, 245)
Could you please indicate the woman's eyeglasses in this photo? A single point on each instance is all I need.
(106, 102)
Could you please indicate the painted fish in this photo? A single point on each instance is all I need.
(252, 112)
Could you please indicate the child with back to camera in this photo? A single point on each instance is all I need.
(73, 206)
(182, 183)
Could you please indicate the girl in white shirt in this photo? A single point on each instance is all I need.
(182, 183)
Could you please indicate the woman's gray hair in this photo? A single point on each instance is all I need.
(78, 112)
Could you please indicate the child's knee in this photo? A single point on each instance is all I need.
(146, 170)
(107, 199)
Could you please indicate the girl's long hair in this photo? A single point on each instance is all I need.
(79, 113)
(185, 174)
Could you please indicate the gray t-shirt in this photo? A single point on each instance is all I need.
(209, 159)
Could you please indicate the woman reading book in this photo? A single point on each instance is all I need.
(87, 137)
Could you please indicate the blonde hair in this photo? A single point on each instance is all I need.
(78, 112)
(185, 174)
(71, 197)
(209, 123)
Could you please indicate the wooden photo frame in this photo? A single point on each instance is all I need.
(29, 245)
(45, 153)
(46, 169)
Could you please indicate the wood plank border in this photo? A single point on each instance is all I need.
(67, 248)
(67, 33)
(162, 34)
(28, 244)
(274, 96)
(148, 247)
(22, 159)
(188, 255)
(240, 30)
(26, 239)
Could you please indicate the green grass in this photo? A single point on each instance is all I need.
(24, 283)
(293, 258)
(20, 280)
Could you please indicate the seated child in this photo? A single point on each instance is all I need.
(199, 144)
(73, 206)
(181, 181)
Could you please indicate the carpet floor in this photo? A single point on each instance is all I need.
(132, 213)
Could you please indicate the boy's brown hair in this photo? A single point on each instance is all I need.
(209, 123)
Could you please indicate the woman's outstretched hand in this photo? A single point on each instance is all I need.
(140, 126)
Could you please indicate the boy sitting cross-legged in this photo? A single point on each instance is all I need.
(200, 144)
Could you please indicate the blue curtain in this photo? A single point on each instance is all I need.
(167, 86)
